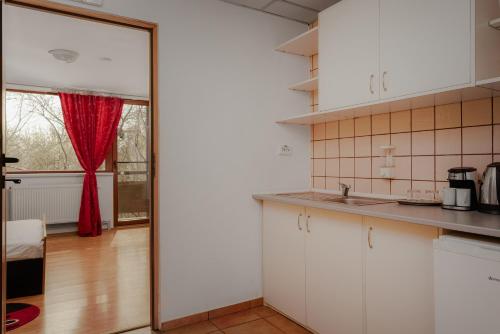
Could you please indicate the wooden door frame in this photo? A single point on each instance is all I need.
(152, 28)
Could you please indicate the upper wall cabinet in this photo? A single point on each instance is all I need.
(425, 45)
(372, 50)
(349, 54)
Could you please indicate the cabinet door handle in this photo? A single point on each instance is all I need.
(307, 224)
(383, 81)
(494, 279)
(371, 84)
(370, 242)
(298, 221)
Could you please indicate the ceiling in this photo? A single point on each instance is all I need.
(30, 34)
(304, 11)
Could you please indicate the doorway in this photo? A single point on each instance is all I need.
(135, 172)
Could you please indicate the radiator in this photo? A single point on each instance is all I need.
(57, 203)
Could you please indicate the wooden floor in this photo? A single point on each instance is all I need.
(93, 285)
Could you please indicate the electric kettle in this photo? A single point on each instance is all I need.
(489, 199)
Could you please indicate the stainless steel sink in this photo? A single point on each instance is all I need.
(351, 200)
(360, 201)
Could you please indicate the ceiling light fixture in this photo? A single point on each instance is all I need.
(68, 56)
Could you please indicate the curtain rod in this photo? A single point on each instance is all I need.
(42, 89)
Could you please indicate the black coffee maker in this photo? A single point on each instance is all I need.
(464, 178)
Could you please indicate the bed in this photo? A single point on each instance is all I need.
(26, 250)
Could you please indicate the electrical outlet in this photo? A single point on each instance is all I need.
(285, 150)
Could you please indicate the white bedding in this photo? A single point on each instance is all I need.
(25, 239)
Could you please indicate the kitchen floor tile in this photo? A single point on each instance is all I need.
(286, 325)
(198, 328)
(234, 319)
(260, 326)
(264, 311)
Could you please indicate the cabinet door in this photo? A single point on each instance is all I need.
(349, 54)
(399, 277)
(424, 45)
(334, 272)
(284, 259)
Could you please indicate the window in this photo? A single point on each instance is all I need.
(36, 134)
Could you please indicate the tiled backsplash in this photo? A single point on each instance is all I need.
(427, 143)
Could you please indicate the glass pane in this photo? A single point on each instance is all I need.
(132, 164)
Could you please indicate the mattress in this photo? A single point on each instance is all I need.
(25, 239)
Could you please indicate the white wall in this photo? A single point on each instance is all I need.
(221, 88)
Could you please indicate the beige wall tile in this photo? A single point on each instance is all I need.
(363, 185)
(333, 167)
(346, 128)
(319, 149)
(362, 146)
(377, 163)
(319, 131)
(377, 141)
(332, 130)
(477, 112)
(423, 168)
(400, 187)
(347, 147)
(478, 161)
(362, 126)
(443, 163)
(332, 148)
(402, 142)
(363, 167)
(448, 116)
(382, 187)
(496, 110)
(319, 167)
(402, 169)
(347, 180)
(319, 182)
(381, 124)
(422, 119)
(346, 167)
(401, 121)
(423, 143)
(497, 158)
(496, 139)
(423, 186)
(477, 140)
(449, 141)
(332, 183)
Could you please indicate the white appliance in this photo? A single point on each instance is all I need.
(466, 286)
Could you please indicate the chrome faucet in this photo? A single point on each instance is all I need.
(345, 189)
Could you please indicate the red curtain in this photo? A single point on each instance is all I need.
(91, 123)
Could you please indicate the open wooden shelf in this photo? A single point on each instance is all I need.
(305, 86)
(305, 44)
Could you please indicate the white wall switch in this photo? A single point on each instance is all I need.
(285, 150)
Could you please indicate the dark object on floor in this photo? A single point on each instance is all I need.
(20, 314)
(25, 278)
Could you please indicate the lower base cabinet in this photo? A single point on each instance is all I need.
(339, 273)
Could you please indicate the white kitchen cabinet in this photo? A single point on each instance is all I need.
(425, 45)
(284, 259)
(399, 277)
(349, 54)
(334, 272)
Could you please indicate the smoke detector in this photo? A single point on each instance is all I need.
(68, 56)
(91, 2)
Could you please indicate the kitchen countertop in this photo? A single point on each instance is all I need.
(463, 221)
